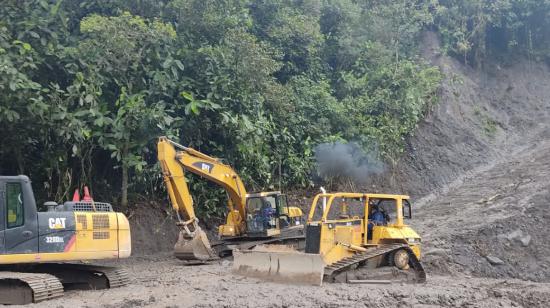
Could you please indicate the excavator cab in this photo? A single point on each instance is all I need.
(268, 213)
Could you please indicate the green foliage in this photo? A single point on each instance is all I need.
(479, 29)
(488, 124)
(86, 86)
(389, 101)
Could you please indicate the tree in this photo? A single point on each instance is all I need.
(129, 56)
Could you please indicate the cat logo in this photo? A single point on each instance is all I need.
(205, 167)
(56, 223)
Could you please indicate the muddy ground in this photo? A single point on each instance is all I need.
(478, 168)
(161, 281)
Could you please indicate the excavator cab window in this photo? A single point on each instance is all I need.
(262, 213)
(283, 211)
(271, 202)
(14, 205)
(254, 206)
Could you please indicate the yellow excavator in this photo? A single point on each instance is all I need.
(350, 237)
(252, 218)
(36, 246)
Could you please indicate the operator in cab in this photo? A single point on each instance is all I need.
(376, 218)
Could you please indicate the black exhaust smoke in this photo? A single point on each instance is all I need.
(346, 161)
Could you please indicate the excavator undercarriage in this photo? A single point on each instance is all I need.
(33, 283)
(25, 288)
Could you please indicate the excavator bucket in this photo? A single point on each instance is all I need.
(278, 264)
(196, 248)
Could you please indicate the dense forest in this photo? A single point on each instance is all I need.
(87, 86)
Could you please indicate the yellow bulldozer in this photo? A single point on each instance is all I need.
(35, 247)
(350, 237)
(252, 218)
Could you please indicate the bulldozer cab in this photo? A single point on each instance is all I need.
(268, 212)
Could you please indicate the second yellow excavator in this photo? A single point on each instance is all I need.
(252, 219)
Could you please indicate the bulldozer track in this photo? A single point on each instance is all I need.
(348, 263)
(41, 286)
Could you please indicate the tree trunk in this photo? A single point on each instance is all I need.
(20, 162)
(124, 191)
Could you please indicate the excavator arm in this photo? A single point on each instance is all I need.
(174, 160)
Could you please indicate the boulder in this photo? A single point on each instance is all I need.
(494, 260)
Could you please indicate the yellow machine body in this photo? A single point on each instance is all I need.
(335, 235)
(37, 249)
(96, 236)
(243, 221)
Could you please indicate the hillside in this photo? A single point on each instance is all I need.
(448, 98)
(481, 210)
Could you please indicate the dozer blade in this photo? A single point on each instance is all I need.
(195, 248)
(278, 265)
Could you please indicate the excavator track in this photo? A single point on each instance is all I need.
(116, 277)
(84, 276)
(361, 258)
(25, 288)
